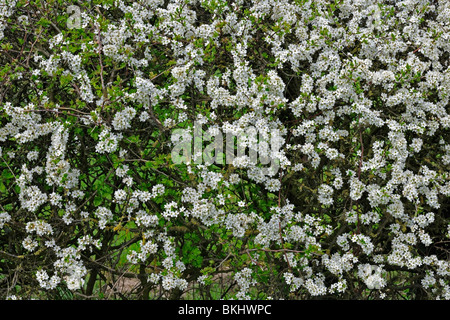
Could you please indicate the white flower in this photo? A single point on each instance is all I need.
(416, 144)
(429, 280)
(108, 141)
(32, 155)
(356, 188)
(273, 185)
(121, 171)
(122, 119)
(154, 277)
(40, 227)
(29, 244)
(364, 242)
(120, 195)
(55, 199)
(169, 281)
(170, 210)
(4, 218)
(315, 287)
(32, 198)
(104, 215)
(331, 153)
(372, 276)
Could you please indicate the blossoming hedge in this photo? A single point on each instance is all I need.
(92, 91)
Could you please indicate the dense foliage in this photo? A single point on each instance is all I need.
(350, 100)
